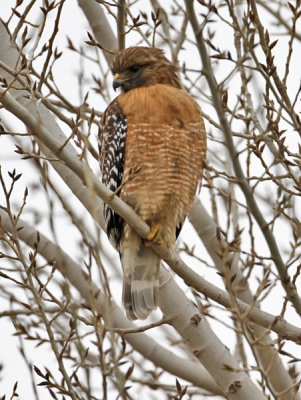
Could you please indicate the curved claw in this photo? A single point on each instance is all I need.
(154, 237)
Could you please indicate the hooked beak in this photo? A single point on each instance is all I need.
(118, 81)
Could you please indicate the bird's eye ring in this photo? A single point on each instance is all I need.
(134, 68)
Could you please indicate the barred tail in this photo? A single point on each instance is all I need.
(141, 276)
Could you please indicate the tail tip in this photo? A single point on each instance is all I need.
(138, 302)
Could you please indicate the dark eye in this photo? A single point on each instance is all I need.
(134, 68)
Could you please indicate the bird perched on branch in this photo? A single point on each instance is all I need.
(152, 149)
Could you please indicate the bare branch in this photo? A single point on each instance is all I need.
(289, 287)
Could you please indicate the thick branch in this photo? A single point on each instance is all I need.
(92, 185)
(144, 344)
(194, 334)
(206, 229)
(101, 27)
(287, 284)
(127, 213)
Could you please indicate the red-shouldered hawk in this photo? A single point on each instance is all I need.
(152, 147)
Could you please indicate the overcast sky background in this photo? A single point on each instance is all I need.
(74, 25)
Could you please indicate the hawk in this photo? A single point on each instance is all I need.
(152, 150)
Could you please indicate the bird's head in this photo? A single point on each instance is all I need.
(137, 67)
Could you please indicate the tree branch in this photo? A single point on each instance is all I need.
(143, 343)
(121, 15)
(101, 27)
(287, 284)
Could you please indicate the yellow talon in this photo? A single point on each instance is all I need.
(154, 237)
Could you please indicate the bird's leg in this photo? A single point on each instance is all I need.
(154, 237)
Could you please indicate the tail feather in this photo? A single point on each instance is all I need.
(141, 278)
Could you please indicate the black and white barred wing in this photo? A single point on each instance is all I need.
(112, 137)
